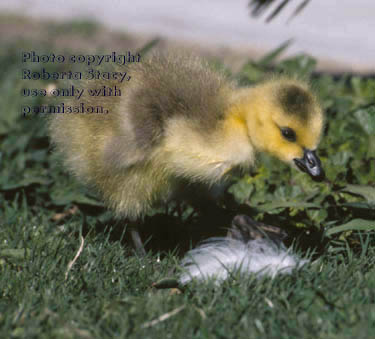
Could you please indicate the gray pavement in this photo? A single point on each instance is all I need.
(338, 32)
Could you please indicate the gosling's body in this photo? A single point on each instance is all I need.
(177, 121)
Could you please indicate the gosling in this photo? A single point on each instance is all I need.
(178, 120)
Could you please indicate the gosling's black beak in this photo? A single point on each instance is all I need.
(311, 164)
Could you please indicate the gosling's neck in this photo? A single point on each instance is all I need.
(242, 117)
(209, 157)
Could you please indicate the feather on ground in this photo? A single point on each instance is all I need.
(218, 258)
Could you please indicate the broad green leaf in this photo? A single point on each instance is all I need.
(64, 197)
(24, 183)
(318, 215)
(302, 65)
(353, 225)
(241, 190)
(357, 205)
(249, 74)
(368, 192)
(366, 118)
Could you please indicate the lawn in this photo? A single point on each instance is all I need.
(67, 269)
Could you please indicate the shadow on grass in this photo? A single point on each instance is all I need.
(165, 233)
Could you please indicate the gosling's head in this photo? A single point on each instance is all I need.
(285, 119)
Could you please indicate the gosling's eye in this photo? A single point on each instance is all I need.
(288, 134)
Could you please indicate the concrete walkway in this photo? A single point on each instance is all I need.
(340, 33)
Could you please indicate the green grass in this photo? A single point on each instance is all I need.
(108, 290)
(108, 293)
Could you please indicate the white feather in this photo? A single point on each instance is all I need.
(219, 257)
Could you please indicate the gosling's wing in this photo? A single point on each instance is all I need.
(161, 88)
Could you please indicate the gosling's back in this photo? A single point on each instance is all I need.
(122, 153)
